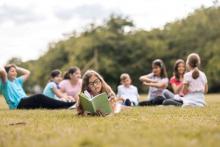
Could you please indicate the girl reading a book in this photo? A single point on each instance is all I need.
(92, 85)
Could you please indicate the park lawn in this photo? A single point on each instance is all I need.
(146, 126)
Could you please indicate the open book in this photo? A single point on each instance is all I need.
(97, 103)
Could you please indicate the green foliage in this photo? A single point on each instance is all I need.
(111, 50)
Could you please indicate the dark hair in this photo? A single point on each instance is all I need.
(55, 73)
(159, 62)
(176, 73)
(9, 66)
(71, 71)
(193, 60)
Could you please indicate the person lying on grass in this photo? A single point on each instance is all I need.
(11, 87)
(195, 82)
(92, 85)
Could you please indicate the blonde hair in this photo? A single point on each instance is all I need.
(124, 76)
(105, 87)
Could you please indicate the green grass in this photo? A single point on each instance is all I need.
(147, 126)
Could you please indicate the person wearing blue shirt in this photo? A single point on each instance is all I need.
(11, 87)
(52, 88)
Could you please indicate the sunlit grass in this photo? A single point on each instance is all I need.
(147, 126)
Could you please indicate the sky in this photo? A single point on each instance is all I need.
(28, 26)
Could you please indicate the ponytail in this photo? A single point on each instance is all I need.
(195, 73)
(72, 70)
(55, 73)
(66, 76)
(193, 60)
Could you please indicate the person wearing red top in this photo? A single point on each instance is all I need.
(175, 97)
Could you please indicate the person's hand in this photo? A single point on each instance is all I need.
(100, 113)
(146, 83)
(80, 110)
(112, 102)
(76, 97)
(120, 99)
(71, 99)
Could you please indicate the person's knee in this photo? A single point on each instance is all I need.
(165, 93)
(166, 102)
(158, 100)
(127, 102)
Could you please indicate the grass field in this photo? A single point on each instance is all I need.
(148, 126)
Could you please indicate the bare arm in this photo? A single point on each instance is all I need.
(206, 88)
(185, 87)
(145, 78)
(3, 74)
(177, 89)
(26, 73)
(58, 93)
(157, 85)
(138, 96)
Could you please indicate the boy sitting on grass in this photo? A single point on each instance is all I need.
(127, 91)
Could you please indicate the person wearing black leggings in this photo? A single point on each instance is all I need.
(42, 101)
(15, 96)
(153, 102)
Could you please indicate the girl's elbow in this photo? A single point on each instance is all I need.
(28, 73)
(141, 78)
(206, 88)
(163, 86)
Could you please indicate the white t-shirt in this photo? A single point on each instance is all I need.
(153, 91)
(195, 85)
(130, 93)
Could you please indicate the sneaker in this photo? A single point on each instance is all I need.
(72, 107)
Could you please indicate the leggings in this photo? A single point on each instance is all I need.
(173, 102)
(171, 98)
(129, 103)
(41, 101)
(155, 101)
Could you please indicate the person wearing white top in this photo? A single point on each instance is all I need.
(157, 81)
(195, 82)
(127, 91)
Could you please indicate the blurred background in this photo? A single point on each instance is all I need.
(111, 37)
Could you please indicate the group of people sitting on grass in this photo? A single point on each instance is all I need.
(189, 84)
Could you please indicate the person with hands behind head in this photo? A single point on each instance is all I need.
(11, 87)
